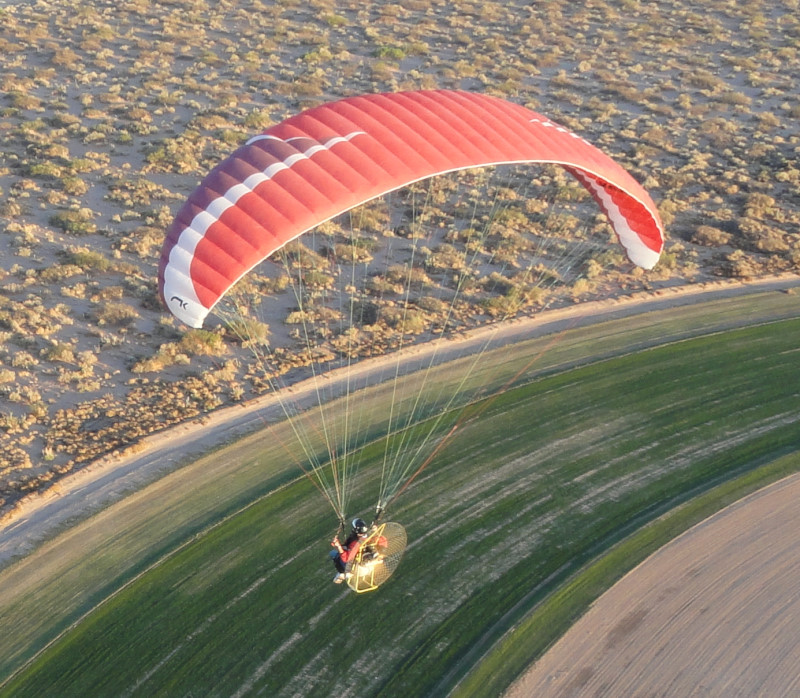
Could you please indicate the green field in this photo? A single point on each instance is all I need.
(214, 580)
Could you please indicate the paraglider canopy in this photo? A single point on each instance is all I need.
(329, 159)
(326, 161)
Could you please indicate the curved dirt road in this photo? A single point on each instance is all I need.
(40, 517)
(716, 612)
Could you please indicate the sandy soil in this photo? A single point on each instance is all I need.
(713, 613)
(40, 516)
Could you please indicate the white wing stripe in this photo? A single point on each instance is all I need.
(178, 286)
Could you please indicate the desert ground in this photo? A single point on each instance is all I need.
(713, 613)
(111, 113)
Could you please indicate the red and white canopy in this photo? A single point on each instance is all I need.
(329, 159)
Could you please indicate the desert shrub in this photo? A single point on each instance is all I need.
(365, 312)
(581, 287)
(178, 155)
(153, 364)
(24, 100)
(143, 241)
(139, 191)
(13, 424)
(334, 20)
(794, 255)
(75, 290)
(374, 215)
(352, 254)
(709, 236)
(413, 231)
(108, 293)
(230, 137)
(733, 98)
(63, 119)
(66, 58)
(445, 257)
(116, 314)
(24, 360)
(273, 285)
(59, 351)
(315, 279)
(86, 360)
(760, 206)
(24, 394)
(506, 245)
(392, 53)
(379, 285)
(355, 250)
(401, 274)
(87, 259)
(258, 119)
(501, 306)
(704, 80)
(313, 314)
(497, 283)
(202, 343)
(249, 330)
(761, 237)
(739, 265)
(73, 222)
(768, 121)
(45, 170)
(405, 320)
(433, 305)
(593, 269)
(318, 55)
(74, 186)
(297, 256)
(83, 165)
(192, 343)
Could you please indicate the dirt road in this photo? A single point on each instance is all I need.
(715, 612)
(39, 517)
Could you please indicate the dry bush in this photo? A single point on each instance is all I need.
(761, 237)
(709, 236)
(379, 285)
(145, 241)
(739, 265)
(409, 277)
(316, 280)
(59, 351)
(445, 257)
(195, 342)
(404, 320)
(177, 155)
(198, 342)
(295, 255)
(86, 259)
(116, 314)
(249, 331)
(138, 192)
(74, 222)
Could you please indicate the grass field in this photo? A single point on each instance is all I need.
(214, 580)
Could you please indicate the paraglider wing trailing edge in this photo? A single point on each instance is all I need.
(329, 159)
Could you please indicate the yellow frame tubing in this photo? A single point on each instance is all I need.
(360, 582)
